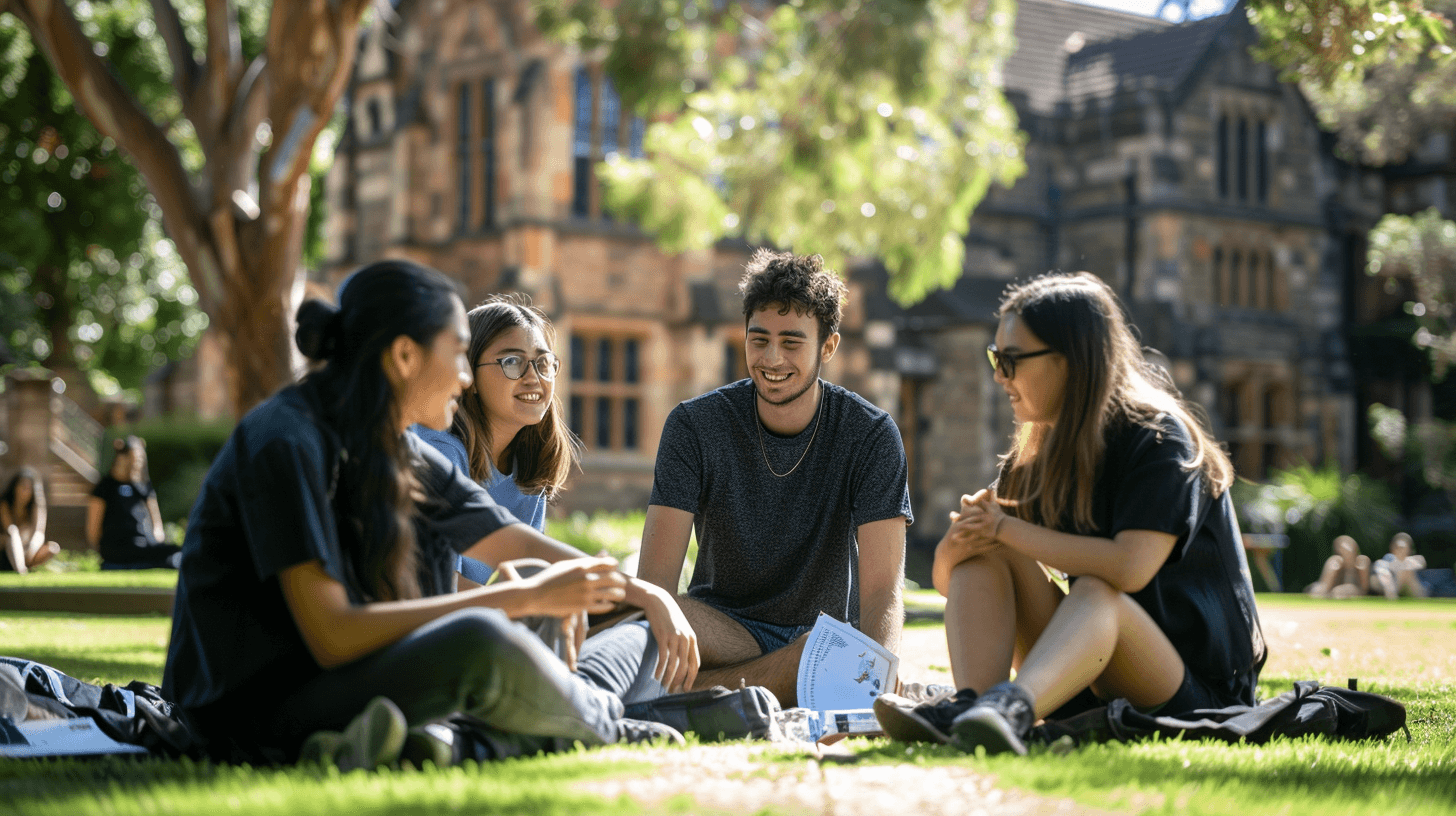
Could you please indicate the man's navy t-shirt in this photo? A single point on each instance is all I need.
(1202, 597)
(780, 549)
(266, 505)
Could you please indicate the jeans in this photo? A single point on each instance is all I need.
(477, 662)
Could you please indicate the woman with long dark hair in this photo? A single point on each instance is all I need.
(318, 571)
(23, 523)
(1113, 480)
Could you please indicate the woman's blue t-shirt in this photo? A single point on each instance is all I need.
(528, 507)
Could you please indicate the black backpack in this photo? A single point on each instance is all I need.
(136, 714)
(1330, 711)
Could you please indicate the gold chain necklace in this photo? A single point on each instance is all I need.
(818, 413)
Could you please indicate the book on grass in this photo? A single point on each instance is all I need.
(72, 737)
(843, 670)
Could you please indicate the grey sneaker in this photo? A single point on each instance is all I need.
(998, 722)
(906, 721)
(432, 742)
(633, 732)
(372, 739)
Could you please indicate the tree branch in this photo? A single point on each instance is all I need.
(179, 48)
(115, 112)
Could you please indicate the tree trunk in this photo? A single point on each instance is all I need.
(239, 224)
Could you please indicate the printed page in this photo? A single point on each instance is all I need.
(842, 668)
(72, 737)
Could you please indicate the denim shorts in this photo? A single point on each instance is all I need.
(770, 636)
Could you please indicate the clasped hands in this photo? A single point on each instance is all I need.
(973, 531)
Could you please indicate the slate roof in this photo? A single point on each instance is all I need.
(1038, 66)
(1069, 54)
(1153, 59)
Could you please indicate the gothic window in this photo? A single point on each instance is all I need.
(475, 155)
(462, 157)
(1261, 163)
(1241, 173)
(1220, 155)
(599, 130)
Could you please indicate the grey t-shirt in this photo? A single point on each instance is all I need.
(780, 549)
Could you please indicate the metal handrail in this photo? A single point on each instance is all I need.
(74, 428)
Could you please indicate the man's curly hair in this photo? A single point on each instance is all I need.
(798, 282)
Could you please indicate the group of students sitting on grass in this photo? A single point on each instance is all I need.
(353, 591)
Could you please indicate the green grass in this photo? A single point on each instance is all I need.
(163, 578)
(1295, 777)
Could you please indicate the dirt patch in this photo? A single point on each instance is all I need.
(737, 778)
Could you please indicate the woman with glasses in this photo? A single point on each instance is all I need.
(510, 435)
(1112, 480)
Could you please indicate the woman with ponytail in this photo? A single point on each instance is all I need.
(1113, 480)
(316, 613)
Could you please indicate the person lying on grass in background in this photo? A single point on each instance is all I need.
(510, 436)
(123, 521)
(316, 590)
(23, 523)
(1112, 480)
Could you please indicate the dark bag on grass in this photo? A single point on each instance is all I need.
(136, 714)
(713, 713)
(1310, 708)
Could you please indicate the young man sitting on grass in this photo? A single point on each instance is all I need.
(795, 487)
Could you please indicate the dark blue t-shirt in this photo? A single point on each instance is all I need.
(266, 505)
(126, 524)
(780, 549)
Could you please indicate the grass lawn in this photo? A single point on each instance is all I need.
(1406, 649)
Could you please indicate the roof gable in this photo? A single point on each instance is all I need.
(1044, 29)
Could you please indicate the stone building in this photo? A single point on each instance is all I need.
(1161, 157)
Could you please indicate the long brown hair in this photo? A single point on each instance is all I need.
(37, 503)
(377, 491)
(1052, 467)
(542, 453)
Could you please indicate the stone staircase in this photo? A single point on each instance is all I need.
(46, 430)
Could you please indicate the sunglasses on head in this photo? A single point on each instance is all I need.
(514, 365)
(1005, 361)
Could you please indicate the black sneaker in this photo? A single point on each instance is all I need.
(372, 739)
(998, 722)
(905, 721)
(633, 732)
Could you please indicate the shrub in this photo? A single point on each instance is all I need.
(1313, 506)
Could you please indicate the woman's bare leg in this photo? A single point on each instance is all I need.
(1100, 637)
(997, 606)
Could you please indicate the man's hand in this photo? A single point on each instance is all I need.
(677, 644)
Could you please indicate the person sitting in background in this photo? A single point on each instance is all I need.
(123, 521)
(1397, 570)
(23, 519)
(1346, 573)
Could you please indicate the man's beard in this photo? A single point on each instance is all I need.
(808, 383)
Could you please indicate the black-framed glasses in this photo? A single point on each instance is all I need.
(514, 365)
(1005, 361)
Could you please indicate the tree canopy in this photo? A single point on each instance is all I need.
(1381, 73)
(87, 281)
(860, 129)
